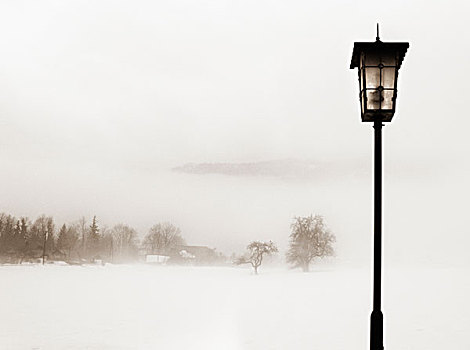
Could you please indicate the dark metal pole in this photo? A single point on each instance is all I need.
(376, 318)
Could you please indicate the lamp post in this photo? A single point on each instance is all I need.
(378, 64)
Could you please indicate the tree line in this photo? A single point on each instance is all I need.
(22, 239)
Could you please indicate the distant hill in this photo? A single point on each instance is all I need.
(286, 168)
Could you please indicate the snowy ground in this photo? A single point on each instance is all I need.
(145, 307)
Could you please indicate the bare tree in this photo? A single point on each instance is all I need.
(310, 239)
(22, 238)
(106, 243)
(162, 239)
(256, 251)
(123, 243)
(82, 231)
(7, 234)
(42, 237)
(49, 242)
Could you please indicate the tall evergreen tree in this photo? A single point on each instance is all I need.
(67, 241)
(93, 240)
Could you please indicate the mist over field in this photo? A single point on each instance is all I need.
(226, 212)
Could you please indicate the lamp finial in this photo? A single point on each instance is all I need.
(377, 38)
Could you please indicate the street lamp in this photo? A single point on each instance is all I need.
(378, 64)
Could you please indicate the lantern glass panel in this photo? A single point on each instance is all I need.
(372, 77)
(361, 72)
(387, 102)
(373, 99)
(388, 78)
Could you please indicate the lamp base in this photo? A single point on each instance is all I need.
(376, 330)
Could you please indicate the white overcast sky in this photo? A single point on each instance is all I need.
(99, 100)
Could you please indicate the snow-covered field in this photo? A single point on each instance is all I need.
(149, 307)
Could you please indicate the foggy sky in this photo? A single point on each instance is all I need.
(100, 100)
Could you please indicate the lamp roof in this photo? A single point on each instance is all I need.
(377, 46)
